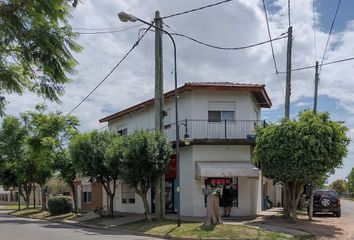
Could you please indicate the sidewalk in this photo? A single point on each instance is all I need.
(258, 221)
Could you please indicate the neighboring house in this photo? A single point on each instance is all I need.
(88, 193)
(11, 196)
(219, 117)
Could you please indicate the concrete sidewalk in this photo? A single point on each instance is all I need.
(259, 221)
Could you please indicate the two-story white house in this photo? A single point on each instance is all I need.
(219, 117)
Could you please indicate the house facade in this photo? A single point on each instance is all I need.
(219, 116)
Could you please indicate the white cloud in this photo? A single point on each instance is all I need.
(236, 23)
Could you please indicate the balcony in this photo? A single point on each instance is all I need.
(203, 130)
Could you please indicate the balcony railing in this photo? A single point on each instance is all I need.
(203, 129)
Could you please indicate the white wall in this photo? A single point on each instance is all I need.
(192, 199)
(137, 207)
(192, 105)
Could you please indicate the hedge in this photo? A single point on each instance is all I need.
(60, 205)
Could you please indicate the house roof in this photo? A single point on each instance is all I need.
(258, 90)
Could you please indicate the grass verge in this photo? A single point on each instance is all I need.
(39, 214)
(11, 207)
(168, 228)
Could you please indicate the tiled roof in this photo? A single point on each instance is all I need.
(223, 84)
(258, 90)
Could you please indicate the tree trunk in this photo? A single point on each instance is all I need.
(311, 202)
(44, 198)
(213, 213)
(26, 194)
(111, 199)
(294, 194)
(74, 196)
(143, 196)
(34, 195)
(286, 205)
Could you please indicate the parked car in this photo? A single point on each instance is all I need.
(326, 201)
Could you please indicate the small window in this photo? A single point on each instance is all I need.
(218, 116)
(128, 194)
(87, 197)
(123, 132)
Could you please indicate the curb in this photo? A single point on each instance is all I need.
(113, 229)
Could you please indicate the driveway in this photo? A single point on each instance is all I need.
(23, 229)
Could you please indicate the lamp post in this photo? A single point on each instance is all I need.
(125, 17)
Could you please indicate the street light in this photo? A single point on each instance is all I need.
(125, 17)
(187, 138)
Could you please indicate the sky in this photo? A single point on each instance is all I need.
(232, 24)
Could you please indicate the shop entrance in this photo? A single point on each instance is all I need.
(170, 188)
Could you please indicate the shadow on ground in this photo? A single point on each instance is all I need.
(314, 227)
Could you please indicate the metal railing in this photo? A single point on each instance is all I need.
(203, 129)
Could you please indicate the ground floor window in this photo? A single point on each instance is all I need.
(229, 187)
(87, 192)
(128, 194)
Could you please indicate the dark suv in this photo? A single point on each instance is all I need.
(326, 201)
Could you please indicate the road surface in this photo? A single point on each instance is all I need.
(14, 228)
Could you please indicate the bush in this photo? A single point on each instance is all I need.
(60, 205)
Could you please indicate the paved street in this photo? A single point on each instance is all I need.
(340, 228)
(13, 228)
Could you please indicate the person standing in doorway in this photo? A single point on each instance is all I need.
(227, 200)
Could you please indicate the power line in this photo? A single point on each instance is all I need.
(196, 9)
(113, 31)
(270, 37)
(222, 48)
(314, 28)
(324, 64)
(113, 69)
(329, 35)
(289, 18)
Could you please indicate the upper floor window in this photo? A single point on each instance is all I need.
(218, 116)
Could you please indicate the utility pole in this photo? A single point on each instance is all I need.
(317, 78)
(159, 125)
(288, 73)
(287, 103)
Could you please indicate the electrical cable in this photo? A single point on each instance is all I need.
(329, 35)
(222, 48)
(324, 64)
(112, 70)
(270, 37)
(113, 31)
(196, 9)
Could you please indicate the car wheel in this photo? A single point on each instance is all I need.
(338, 214)
(325, 202)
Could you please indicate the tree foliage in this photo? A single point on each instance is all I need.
(30, 145)
(297, 152)
(146, 158)
(88, 152)
(340, 186)
(36, 41)
(351, 181)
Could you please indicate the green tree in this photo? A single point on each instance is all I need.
(36, 41)
(67, 172)
(340, 186)
(297, 152)
(15, 167)
(146, 158)
(88, 152)
(351, 181)
(49, 133)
